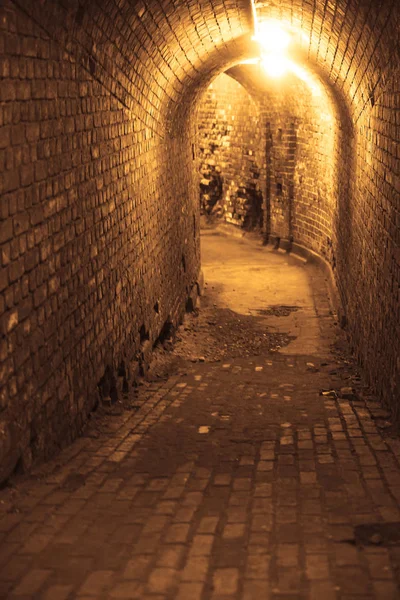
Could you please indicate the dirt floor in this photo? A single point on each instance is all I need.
(256, 300)
(252, 463)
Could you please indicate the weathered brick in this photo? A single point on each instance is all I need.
(27, 174)
(40, 295)
(16, 269)
(117, 150)
(32, 131)
(3, 278)
(9, 320)
(8, 91)
(11, 180)
(21, 223)
(6, 231)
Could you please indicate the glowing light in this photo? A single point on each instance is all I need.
(305, 76)
(275, 65)
(272, 37)
(274, 41)
(250, 61)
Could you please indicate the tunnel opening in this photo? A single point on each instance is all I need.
(276, 149)
(100, 182)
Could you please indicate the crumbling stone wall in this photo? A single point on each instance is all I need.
(231, 155)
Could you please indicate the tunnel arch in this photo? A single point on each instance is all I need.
(99, 215)
(305, 161)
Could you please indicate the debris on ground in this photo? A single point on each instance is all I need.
(212, 334)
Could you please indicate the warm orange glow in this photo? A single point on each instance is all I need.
(308, 79)
(273, 41)
(275, 65)
(272, 37)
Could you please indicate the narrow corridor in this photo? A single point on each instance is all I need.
(237, 477)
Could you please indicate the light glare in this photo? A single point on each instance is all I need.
(275, 65)
(272, 37)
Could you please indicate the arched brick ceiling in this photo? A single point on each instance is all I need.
(146, 52)
(353, 41)
(155, 53)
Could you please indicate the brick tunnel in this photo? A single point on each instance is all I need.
(104, 139)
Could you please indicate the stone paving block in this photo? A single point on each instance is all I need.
(346, 554)
(127, 589)
(61, 592)
(353, 580)
(202, 545)
(162, 580)
(287, 555)
(136, 567)
(386, 590)
(288, 581)
(317, 566)
(32, 582)
(257, 566)
(147, 544)
(208, 525)
(234, 531)
(323, 590)
(225, 581)
(255, 590)
(171, 556)
(192, 591)
(176, 533)
(196, 569)
(96, 583)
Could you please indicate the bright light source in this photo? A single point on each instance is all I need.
(275, 65)
(274, 41)
(250, 61)
(272, 37)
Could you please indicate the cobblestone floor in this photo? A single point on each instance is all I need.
(233, 480)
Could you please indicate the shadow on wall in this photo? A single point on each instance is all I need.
(343, 232)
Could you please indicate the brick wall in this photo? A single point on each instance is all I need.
(368, 246)
(336, 156)
(99, 234)
(231, 154)
(99, 194)
(272, 144)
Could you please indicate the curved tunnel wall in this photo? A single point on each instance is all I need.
(99, 198)
(272, 145)
(99, 224)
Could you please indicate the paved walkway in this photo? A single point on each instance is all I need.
(232, 480)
